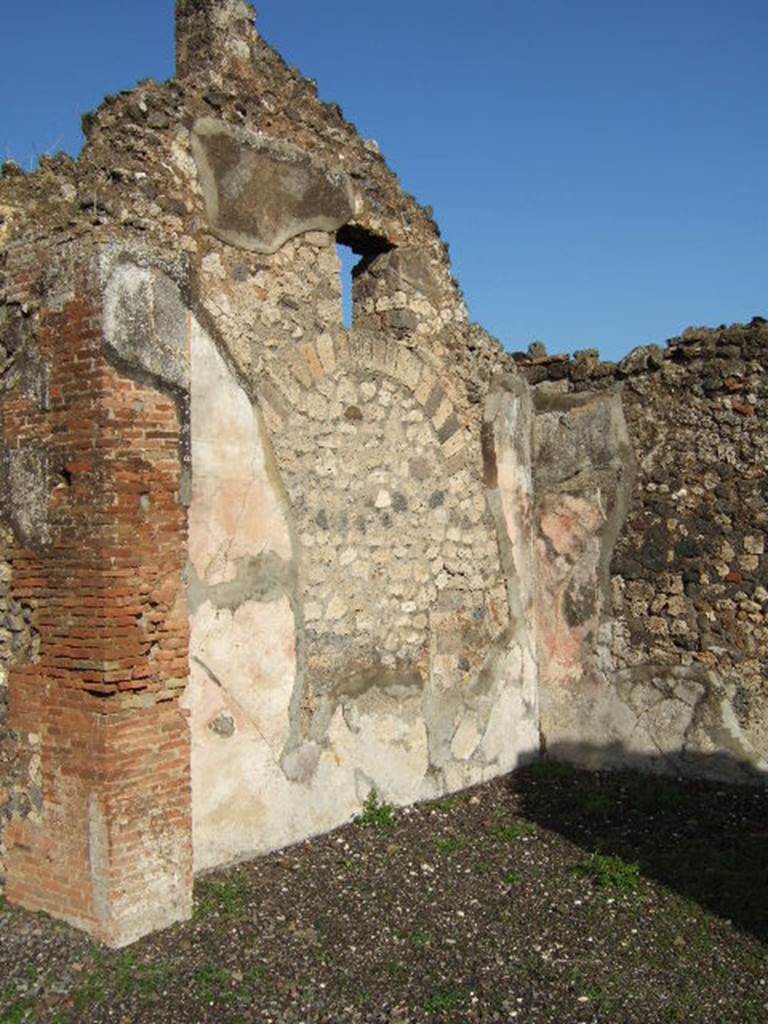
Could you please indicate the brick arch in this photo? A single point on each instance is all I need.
(285, 380)
(384, 508)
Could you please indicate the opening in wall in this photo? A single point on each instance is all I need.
(356, 248)
(348, 260)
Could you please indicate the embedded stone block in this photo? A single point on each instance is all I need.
(259, 192)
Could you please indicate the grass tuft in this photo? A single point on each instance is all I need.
(609, 872)
(220, 895)
(376, 814)
(447, 999)
(519, 829)
(549, 770)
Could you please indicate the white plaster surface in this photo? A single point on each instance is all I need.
(258, 781)
(251, 651)
(512, 733)
(386, 740)
(235, 511)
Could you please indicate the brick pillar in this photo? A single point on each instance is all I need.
(99, 558)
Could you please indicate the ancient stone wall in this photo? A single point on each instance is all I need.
(356, 621)
(256, 564)
(354, 632)
(678, 646)
(20, 792)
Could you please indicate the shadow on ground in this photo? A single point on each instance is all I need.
(457, 911)
(703, 838)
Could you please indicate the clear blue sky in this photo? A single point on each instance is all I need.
(599, 168)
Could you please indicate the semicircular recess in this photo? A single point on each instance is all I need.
(387, 538)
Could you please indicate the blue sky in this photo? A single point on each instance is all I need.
(598, 168)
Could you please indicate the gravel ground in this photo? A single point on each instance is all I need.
(550, 895)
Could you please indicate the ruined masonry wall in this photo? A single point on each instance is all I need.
(680, 652)
(255, 565)
(350, 620)
(20, 792)
(693, 579)
(90, 480)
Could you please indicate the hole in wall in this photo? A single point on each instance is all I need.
(353, 242)
(348, 261)
(362, 242)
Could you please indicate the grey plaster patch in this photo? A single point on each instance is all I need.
(146, 323)
(407, 270)
(223, 725)
(579, 600)
(581, 447)
(35, 794)
(704, 703)
(98, 857)
(412, 267)
(259, 192)
(19, 365)
(357, 680)
(300, 763)
(579, 433)
(441, 712)
(679, 719)
(507, 442)
(25, 483)
(265, 578)
(364, 785)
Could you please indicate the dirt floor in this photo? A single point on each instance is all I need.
(551, 895)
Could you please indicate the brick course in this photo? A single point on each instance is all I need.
(106, 586)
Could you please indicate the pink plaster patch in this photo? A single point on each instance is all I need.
(569, 523)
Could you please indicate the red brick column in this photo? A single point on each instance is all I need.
(110, 850)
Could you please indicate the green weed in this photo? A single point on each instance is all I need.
(678, 1009)
(14, 1014)
(517, 830)
(376, 814)
(447, 999)
(546, 770)
(609, 872)
(594, 805)
(214, 984)
(360, 997)
(8, 993)
(654, 795)
(91, 992)
(220, 895)
(445, 805)
(452, 844)
(255, 975)
(753, 1012)
(148, 979)
(600, 996)
(12, 1009)
(395, 969)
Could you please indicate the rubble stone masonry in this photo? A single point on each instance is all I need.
(682, 638)
(255, 564)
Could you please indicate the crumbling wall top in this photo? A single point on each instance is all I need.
(214, 37)
(136, 175)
